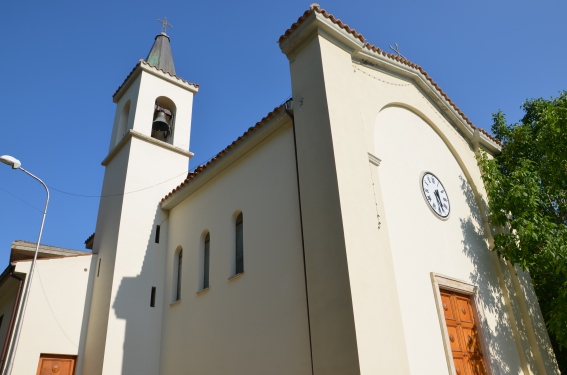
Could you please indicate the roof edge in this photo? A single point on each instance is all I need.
(289, 42)
(176, 195)
(142, 65)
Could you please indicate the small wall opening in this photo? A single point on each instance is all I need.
(204, 260)
(163, 121)
(158, 230)
(177, 273)
(123, 122)
(153, 297)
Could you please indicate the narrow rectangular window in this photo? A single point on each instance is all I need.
(206, 261)
(239, 245)
(153, 297)
(179, 268)
(157, 233)
(98, 271)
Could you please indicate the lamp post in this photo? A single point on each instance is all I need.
(15, 164)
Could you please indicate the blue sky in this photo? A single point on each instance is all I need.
(61, 61)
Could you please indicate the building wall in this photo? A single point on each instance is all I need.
(137, 176)
(8, 293)
(345, 109)
(54, 315)
(257, 322)
(422, 243)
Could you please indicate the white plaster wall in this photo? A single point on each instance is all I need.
(256, 323)
(132, 342)
(54, 313)
(152, 87)
(122, 326)
(421, 243)
(107, 229)
(130, 95)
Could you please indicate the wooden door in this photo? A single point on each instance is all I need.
(463, 333)
(50, 364)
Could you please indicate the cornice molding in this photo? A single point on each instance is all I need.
(134, 134)
(143, 66)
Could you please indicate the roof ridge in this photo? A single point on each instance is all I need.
(403, 60)
(246, 134)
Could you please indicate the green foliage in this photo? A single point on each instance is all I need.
(527, 191)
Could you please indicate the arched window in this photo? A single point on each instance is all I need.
(177, 271)
(239, 245)
(206, 261)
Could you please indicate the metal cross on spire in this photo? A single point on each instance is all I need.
(397, 50)
(165, 24)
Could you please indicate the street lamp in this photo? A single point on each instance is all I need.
(15, 164)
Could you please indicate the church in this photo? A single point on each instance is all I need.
(344, 233)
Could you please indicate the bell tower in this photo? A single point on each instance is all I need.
(148, 156)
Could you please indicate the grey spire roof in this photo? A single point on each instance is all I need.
(160, 54)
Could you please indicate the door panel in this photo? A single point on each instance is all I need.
(50, 364)
(462, 333)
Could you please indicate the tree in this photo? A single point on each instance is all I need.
(527, 191)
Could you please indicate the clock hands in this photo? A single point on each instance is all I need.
(439, 200)
(431, 186)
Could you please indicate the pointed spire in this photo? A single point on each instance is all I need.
(160, 55)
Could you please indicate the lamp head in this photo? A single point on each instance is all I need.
(11, 161)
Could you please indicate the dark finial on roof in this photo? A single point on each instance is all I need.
(160, 55)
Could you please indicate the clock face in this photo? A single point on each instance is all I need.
(435, 195)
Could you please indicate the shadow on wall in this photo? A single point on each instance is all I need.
(133, 303)
(499, 339)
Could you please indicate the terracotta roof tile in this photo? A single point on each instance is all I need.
(201, 168)
(156, 68)
(371, 47)
(316, 8)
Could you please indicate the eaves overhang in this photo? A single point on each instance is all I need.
(143, 66)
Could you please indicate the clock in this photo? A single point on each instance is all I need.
(435, 195)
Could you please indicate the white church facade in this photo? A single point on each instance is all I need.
(344, 233)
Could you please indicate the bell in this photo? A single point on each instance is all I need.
(160, 123)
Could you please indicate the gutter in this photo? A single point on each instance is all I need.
(10, 273)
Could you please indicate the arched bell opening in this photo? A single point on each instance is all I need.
(163, 124)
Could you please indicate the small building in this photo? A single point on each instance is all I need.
(53, 322)
(344, 233)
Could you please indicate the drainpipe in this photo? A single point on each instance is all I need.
(12, 317)
(288, 107)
